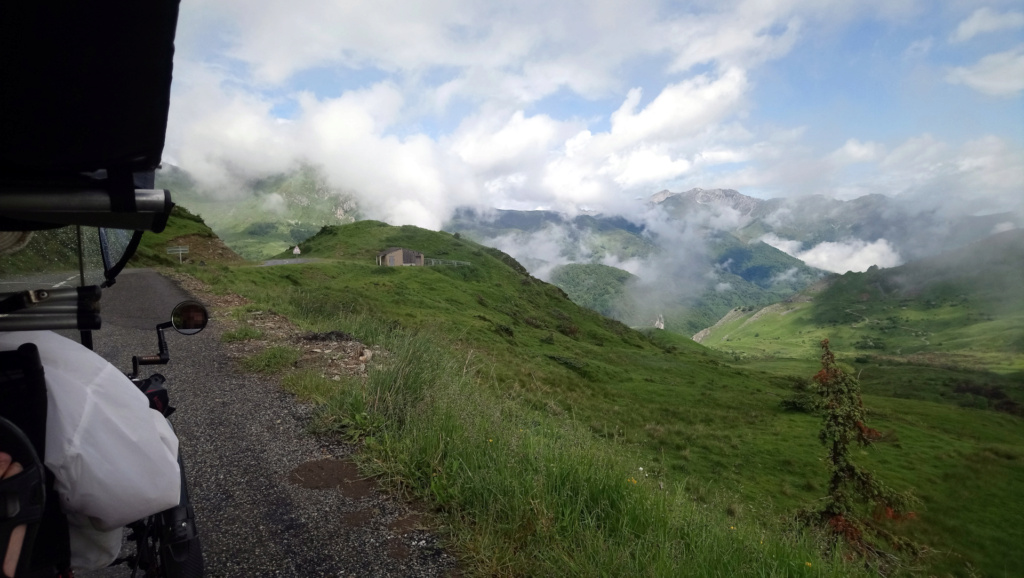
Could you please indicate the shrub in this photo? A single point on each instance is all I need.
(849, 485)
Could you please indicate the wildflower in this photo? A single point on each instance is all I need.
(808, 564)
(732, 527)
(489, 440)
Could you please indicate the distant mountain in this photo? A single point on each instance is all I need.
(691, 281)
(680, 203)
(913, 231)
(579, 239)
(265, 216)
(961, 308)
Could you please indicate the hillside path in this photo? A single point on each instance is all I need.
(299, 261)
(244, 443)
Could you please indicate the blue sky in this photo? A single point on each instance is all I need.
(420, 107)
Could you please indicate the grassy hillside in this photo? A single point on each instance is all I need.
(512, 395)
(964, 309)
(594, 286)
(184, 229)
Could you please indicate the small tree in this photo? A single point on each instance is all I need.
(851, 489)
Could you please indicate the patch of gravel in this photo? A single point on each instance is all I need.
(270, 499)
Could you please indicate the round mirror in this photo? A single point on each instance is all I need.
(189, 317)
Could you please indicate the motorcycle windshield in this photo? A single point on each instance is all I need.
(116, 247)
(63, 257)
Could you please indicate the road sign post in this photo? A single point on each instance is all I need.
(179, 250)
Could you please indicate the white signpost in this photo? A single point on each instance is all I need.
(179, 250)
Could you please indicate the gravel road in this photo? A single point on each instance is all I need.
(244, 444)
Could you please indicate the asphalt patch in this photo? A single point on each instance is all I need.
(398, 550)
(357, 518)
(406, 524)
(329, 474)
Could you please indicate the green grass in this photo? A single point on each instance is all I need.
(479, 353)
(271, 360)
(152, 251)
(528, 494)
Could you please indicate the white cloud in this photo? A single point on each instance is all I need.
(1000, 74)
(486, 142)
(786, 276)
(986, 20)
(1003, 227)
(680, 109)
(787, 246)
(838, 257)
(723, 287)
(855, 151)
(448, 106)
(645, 166)
(274, 203)
(981, 175)
(645, 146)
(851, 255)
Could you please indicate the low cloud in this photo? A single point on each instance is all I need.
(542, 251)
(1003, 227)
(837, 257)
(787, 246)
(786, 276)
(274, 203)
(855, 151)
(852, 255)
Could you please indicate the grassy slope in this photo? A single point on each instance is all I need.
(924, 337)
(679, 410)
(964, 309)
(594, 286)
(183, 229)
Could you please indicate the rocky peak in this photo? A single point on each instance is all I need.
(715, 197)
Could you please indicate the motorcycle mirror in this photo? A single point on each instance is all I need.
(189, 317)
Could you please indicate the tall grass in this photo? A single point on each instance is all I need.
(525, 493)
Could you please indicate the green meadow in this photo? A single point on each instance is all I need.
(525, 420)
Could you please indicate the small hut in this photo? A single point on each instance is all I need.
(397, 257)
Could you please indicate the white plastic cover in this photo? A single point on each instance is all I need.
(114, 458)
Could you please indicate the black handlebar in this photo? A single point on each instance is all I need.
(161, 358)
